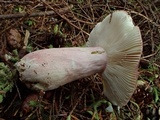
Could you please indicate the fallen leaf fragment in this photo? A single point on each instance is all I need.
(14, 38)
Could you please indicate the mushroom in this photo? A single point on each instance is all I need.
(113, 50)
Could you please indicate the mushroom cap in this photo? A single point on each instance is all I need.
(122, 41)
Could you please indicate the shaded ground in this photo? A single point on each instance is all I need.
(69, 24)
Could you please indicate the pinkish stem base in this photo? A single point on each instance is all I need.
(50, 68)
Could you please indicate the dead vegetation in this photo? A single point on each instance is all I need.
(27, 26)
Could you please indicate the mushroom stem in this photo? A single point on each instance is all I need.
(50, 68)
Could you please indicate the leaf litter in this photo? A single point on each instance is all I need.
(28, 25)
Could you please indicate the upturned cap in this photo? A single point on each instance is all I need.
(122, 41)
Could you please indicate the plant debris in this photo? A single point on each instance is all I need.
(13, 38)
(67, 24)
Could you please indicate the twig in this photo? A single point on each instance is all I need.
(56, 112)
(17, 2)
(138, 13)
(147, 61)
(12, 102)
(80, 97)
(34, 14)
(18, 92)
(63, 17)
(30, 115)
(148, 56)
(151, 21)
(151, 33)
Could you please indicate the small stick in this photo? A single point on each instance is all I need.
(16, 2)
(148, 19)
(66, 19)
(34, 14)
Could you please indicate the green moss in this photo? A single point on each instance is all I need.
(6, 80)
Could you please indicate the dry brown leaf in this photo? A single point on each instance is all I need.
(27, 35)
(14, 38)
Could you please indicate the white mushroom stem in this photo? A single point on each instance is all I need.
(50, 68)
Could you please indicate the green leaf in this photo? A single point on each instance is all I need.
(156, 96)
(69, 117)
(55, 29)
(1, 98)
(33, 103)
(29, 22)
(18, 9)
(98, 103)
(15, 52)
(6, 82)
(29, 48)
(90, 112)
(2, 75)
(50, 46)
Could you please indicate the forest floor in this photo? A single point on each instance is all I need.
(27, 25)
